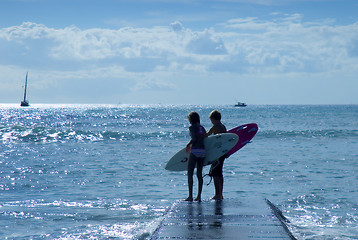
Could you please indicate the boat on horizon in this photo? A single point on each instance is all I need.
(25, 103)
(240, 104)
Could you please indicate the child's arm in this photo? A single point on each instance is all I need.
(211, 131)
(188, 146)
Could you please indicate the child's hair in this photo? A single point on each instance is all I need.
(215, 115)
(193, 117)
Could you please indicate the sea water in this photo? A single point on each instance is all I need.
(97, 171)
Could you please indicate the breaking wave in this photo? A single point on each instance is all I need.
(47, 135)
(330, 133)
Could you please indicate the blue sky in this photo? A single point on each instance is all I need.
(180, 52)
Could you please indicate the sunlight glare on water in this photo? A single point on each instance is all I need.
(92, 171)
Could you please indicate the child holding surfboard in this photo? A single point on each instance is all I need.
(196, 151)
(216, 170)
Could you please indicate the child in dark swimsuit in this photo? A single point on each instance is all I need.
(196, 150)
(216, 170)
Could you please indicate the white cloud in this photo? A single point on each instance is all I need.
(249, 23)
(206, 43)
(285, 43)
(282, 45)
(25, 30)
(289, 44)
(177, 26)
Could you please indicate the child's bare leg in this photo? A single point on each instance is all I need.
(190, 186)
(191, 166)
(217, 188)
(199, 174)
(221, 187)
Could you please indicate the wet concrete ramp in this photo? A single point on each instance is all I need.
(227, 219)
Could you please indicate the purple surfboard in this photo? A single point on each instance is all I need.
(245, 132)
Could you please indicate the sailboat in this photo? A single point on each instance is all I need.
(25, 103)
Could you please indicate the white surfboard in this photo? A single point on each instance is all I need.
(215, 147)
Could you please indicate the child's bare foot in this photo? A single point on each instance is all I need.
(217, 198)
(189, 199)
(198, 199)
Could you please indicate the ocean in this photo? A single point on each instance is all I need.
(97, 171)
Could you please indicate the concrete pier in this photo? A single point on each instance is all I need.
(227, 219)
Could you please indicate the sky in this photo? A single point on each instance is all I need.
(179, 51)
